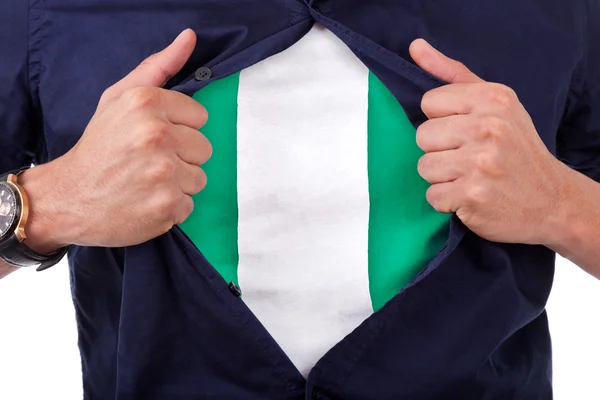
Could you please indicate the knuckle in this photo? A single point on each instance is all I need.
(486, 162)
(209, 150)
(150, 60)
(162, 170)
(460, 66)
(463, 71)
(426, 101)
(200, 114)
(141, 97)
(201, 180)
(165, 225)
(476, 194)
(187, 207)
(494, 126)
(108, 95)
(197, 181)
(166, 204)
(422, 135)
(489, 163)
(203, 115)
(502, 96)
(206, 150)
(432, 197)
(510, 92)
(152, 134)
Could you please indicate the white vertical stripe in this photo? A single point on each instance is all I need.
(303, 195)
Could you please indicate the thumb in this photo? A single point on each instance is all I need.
(440, 66)
(157, 69)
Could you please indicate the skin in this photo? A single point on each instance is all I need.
(487, 163)
(130, 177)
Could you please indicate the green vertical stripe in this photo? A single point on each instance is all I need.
(213, 225)
(404, 230)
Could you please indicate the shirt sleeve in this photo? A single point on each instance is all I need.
(20, 132)
(579, 137)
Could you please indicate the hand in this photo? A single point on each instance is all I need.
(130, 176)
(484, 158)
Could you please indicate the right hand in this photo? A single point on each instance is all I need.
(130, 177)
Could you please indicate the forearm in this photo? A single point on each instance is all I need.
(575, 231)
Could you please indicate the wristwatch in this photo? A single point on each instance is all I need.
(14, 211)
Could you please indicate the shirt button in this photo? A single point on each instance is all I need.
(203, 74)
(235, 289)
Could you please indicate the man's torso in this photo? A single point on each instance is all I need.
(155, 320)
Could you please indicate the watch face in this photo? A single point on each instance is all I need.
(8, 209)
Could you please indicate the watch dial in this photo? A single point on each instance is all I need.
(8, 208)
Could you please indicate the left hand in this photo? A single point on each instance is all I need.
(484, 157)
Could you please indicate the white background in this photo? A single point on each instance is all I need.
(39, 357)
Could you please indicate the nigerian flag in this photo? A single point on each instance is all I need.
(312, 188)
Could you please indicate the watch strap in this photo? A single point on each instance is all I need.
(18, 254)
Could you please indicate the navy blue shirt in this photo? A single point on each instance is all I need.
(156, 321)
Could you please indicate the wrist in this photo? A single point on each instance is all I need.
(564, 224)
(45, 228)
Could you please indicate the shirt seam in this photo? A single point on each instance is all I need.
(585, 41)
(579, 79)
(33, 79)
(297, 13)
(32, 48)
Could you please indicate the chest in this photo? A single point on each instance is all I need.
(314, 205)
(78, 50)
